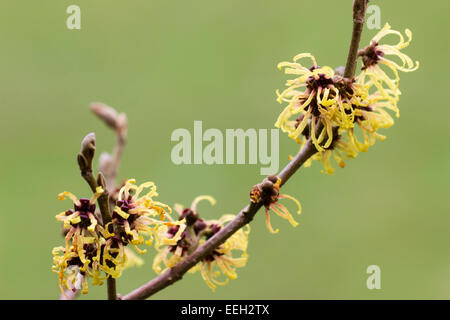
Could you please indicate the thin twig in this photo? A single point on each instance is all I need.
(359, 14)
(85, 158)
(244, 217)
(115, 164)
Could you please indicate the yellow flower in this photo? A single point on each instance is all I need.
(82, 223)
(370, 114)
(222, 260)
(91, 249)
(339, 151)
(72, 272)
(317, 99)
(177, 244)
(84, 242)
(341, 116)
(137, 218)
(227, 257)
(268, 194)
(376, 54)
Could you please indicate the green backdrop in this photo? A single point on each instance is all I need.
(168, 63)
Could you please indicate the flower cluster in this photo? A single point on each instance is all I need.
(327, 109)
(340, 117)
(137, 219)
(82, 253)
(96, 251)
(222, 260)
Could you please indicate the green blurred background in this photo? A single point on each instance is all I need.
(168, 63)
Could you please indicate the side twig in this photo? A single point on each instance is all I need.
(109, 164)
(246, 215)
(85, 158)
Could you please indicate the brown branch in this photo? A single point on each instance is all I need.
(246, 215)
(359, 14)
(85, 158)
(112, 288)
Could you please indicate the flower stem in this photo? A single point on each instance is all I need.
(112, 289)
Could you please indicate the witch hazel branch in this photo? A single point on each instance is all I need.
(330, 114)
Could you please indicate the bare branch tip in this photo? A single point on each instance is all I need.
(108, 114)
(87, 153)
(88, 145)
(113, 119)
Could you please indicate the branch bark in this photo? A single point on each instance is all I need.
(244, 217)
(359, 14)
